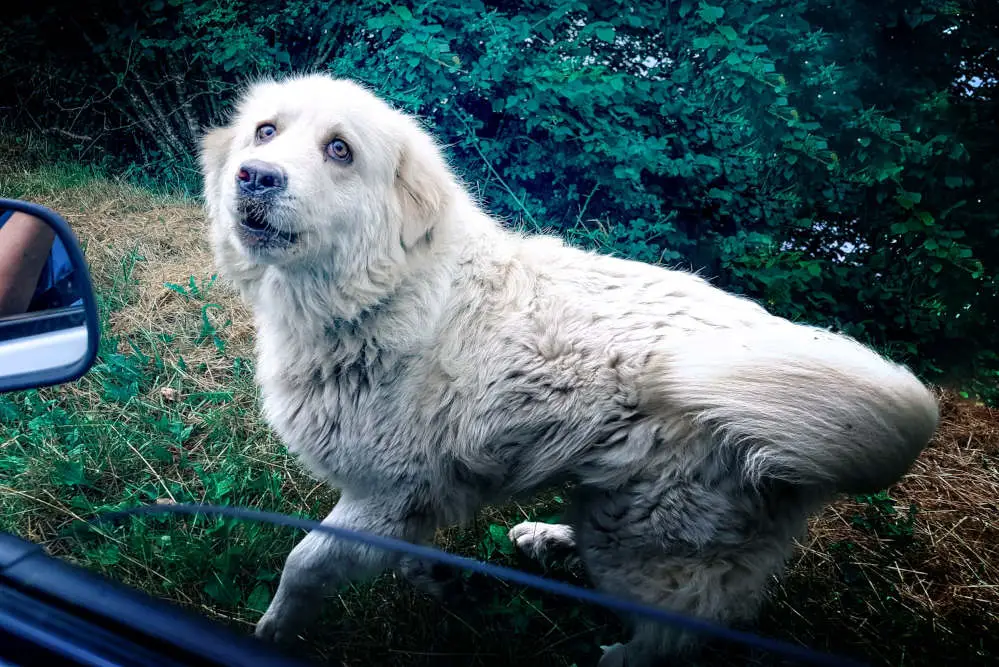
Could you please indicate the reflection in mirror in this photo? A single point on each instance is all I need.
(42, 318)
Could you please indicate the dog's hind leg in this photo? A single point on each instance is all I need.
(678, 548)
(321, 562)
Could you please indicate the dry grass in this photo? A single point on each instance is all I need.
(944, 580)
(158, 239)
(928, 594)
(955, 485)
(863, 583)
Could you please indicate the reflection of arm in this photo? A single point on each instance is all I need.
(25, 242)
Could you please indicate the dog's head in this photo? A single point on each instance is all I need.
(314, 171)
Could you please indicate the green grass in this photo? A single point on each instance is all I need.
(139, 430)
(31, 183)
(169, 414)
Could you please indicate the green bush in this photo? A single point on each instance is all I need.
(834, 160)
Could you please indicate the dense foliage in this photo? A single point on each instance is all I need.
(836, 161)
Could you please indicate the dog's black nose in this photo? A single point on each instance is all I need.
(258, 178)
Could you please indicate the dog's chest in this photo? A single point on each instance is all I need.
(343, 418)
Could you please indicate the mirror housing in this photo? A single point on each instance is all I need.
(50, 341)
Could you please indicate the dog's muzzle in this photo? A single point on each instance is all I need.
(259, 184)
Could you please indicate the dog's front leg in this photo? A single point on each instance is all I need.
(321, 563)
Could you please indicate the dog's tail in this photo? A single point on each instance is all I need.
(800, 404)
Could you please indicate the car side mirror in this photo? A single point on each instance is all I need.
(48, 311)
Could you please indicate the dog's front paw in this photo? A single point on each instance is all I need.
(615, 655)
(439, 582)
(280, 625)
(270, 628)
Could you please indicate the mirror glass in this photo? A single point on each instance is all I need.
(42, 315)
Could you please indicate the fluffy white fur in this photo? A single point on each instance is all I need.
(425, 360)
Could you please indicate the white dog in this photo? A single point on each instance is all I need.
(425, 360)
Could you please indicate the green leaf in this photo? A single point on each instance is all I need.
(179, 289)
(224, 591)
(710, 13)
(953, 181)
(623, 172)
(908, 199)
(107, 554)
(728, 33)
(259, 598)
(160, 453)
(724, 195)
(70, 473)
(403, 12)
(814, 269)
(8, 411)
(605, 34)
(499, 537)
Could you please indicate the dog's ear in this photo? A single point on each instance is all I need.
(212, 156)
(214, 150)
(422, 184)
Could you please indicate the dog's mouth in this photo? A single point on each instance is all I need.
(256, 231)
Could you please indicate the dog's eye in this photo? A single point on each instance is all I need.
(266, 132)
(339, 150)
